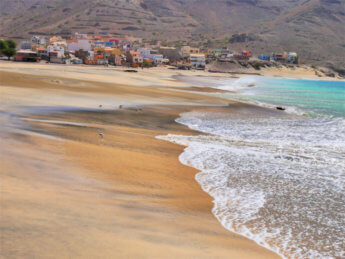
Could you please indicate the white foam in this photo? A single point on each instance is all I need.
(231, 84)
(279, 182)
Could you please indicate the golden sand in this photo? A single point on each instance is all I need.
(69, 192)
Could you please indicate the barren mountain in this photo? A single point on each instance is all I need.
(313, 28)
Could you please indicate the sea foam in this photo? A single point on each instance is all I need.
(279, 182)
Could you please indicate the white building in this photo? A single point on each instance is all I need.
(147, 53)
(79, 44)
(198, 60)
(292, 57)
(59, 49)
(187, 51)
(157, 59)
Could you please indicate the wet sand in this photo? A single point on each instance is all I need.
(66, 191)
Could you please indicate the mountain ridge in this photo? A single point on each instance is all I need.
(313, 28)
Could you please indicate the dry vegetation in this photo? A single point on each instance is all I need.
(314, 28)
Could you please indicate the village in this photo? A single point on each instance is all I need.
(133, 52)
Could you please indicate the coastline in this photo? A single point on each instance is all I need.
(121, 192)
(158, 76)
(63, 186)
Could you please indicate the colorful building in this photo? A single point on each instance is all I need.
(26, 55)
(187, 51)
(79, 44)
(197, 61)
(134, 58)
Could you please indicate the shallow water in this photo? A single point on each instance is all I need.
(310, 96)
(278, 181)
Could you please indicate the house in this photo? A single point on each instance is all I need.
(56, 54)
(226, 53)
(79, 44)
(114, 56)
(82, 55)
(42, 53)
(134, 58)
(145, 52)
(292, 57)
(96, 58)
(59, 49)
(153, 55)
(26, 55)
(109, 44)
(187, 51)
(209, 53)
(115, 60)
(115, 41)
(245, 54)
(278, 56)
(57, 40)
(171, 53)
(197, 61)
(264, 57)
(157, 59)
(55, 58)
(217, 52)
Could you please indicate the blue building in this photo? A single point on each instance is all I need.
(264, 57)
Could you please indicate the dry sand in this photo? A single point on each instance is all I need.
(66, 192)
(298, 72)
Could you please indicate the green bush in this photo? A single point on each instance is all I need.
(257, 65)
(8, 48)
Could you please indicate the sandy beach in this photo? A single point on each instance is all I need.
(83, 176)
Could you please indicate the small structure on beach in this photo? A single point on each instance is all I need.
(26, 55)
(291, 57)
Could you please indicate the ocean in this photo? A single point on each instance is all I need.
(279, 181)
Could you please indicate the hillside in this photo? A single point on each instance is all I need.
(314, 28)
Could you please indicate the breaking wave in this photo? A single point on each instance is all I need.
(277, 181)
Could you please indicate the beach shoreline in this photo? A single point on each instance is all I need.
(156, 75)
(121, 193)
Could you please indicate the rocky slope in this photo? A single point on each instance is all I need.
(314, 28)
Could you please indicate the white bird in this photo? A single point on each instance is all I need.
(101, 135)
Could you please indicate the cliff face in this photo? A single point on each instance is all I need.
(314, 28)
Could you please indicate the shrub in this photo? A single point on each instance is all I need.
(8, 48)
(257, 65)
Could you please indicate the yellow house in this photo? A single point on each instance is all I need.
(55, 39)
(188, 50)
(111, 51)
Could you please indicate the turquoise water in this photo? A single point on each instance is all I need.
(278, 180)
(325, 97)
